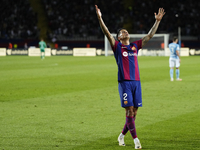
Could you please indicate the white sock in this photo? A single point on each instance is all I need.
(136, 139)
(121, 135)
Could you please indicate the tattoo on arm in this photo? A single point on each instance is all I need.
(153, 29)
(145, 40)
(106, 32)
(151, 33)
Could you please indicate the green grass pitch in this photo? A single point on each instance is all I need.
(72, 103)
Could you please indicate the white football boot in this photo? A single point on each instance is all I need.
(137, 144)
(178, 79)
(121, 140)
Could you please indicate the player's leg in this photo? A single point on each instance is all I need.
(44, 54)
(130, 120)
(171, 73)
(131, 113)
(130, 95)
(178, 74)
(129, 125)
(136, 140)
(122, 135)
(177, 70)
(41, 54)
(126, 102)
(171, 65)
(137, 102)
(131, 101)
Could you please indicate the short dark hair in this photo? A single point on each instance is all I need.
(175, 38)
(118, 31)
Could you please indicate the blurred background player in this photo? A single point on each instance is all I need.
(42, 46)
(129, 85)
(10, 46)
(174, 59)
(25, 46)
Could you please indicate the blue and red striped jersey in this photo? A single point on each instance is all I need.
(126, 59)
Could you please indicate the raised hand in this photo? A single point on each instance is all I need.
(98, 11)
(160, 14)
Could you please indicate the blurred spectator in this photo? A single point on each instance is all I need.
(71, 19)
(180, 13)
(17, 20)
(56, 46)
(25, 46)
(10, 46)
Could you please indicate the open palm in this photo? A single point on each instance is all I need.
(160, 14)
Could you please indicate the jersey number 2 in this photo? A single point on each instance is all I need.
(125, 96)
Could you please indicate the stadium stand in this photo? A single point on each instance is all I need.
(76, 20)
(70, 19)
(18, 20)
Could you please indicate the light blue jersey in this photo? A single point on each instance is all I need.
(173, 47)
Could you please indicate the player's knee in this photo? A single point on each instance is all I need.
(129, 111)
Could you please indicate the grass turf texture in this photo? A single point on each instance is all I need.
(66, 102)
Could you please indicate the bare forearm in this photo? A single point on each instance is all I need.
(103, 27)
(154, 29)
(106, 31)
(151, 33)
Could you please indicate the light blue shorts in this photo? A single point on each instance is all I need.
(174, 62)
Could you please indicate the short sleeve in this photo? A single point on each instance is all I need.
(115, 46)
(138, 43)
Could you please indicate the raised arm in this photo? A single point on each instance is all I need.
(153, 30)
(104, 28)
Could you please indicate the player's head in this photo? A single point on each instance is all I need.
(175, 39)
(122, 34)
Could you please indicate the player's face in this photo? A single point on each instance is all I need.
(123, 34)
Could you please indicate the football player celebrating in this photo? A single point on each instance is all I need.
(129, 85)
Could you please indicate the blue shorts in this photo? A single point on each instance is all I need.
(130, 93)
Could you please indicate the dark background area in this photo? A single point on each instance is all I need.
(74, 23)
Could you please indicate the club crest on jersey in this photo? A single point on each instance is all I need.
(125, 102)
(133, 48)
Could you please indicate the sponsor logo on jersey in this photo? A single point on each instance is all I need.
(125, 54)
